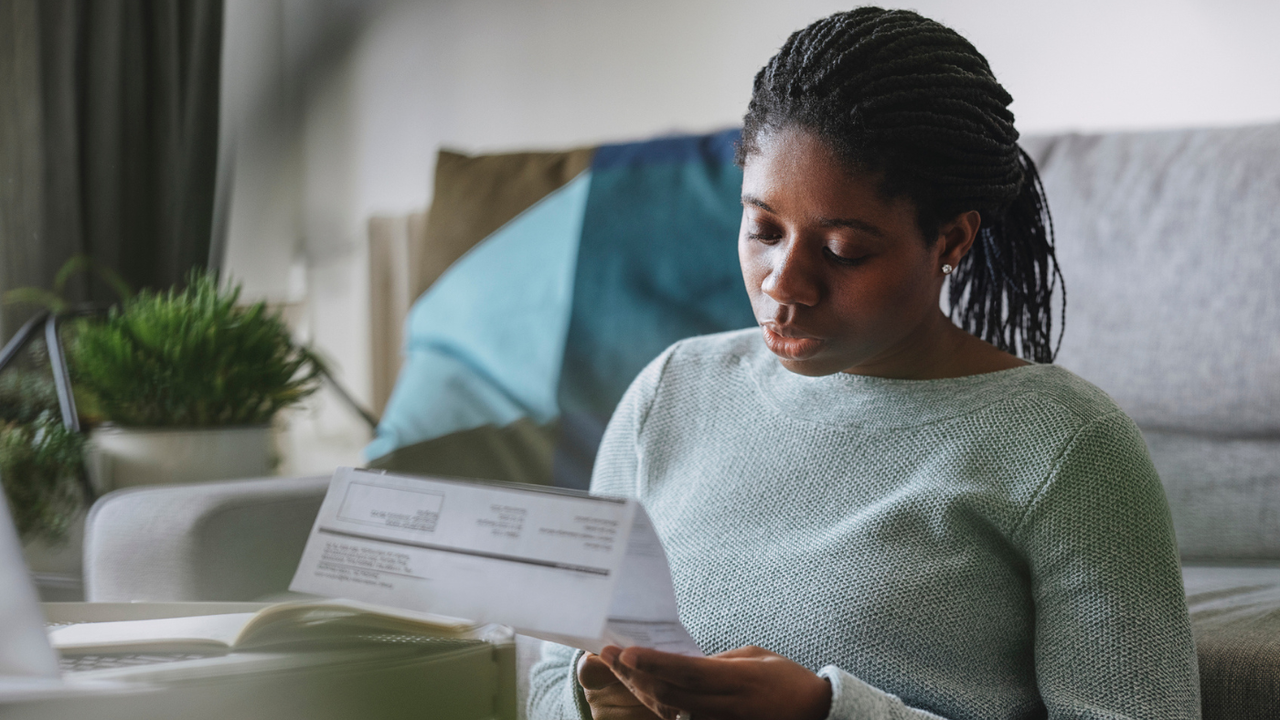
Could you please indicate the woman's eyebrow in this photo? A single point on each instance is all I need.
(856, 224)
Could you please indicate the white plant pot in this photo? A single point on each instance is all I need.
(128, 457)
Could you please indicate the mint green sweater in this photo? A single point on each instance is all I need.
(993, 546)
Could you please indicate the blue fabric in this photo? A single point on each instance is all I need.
(555, 313)
(484, 345)
(657, 262)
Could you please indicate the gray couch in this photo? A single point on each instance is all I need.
(1170, 245)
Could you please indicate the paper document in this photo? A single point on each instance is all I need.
(577, 569)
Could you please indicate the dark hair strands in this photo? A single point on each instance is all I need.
(905, 97)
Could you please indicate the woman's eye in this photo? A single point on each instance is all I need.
(843, 260)
(763, 235)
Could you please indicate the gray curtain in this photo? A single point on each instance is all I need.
(108, 141)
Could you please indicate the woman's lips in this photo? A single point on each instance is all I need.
(790, 348)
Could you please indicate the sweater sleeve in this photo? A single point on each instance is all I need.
(1112, 636)
(554, 692)
(852, 699)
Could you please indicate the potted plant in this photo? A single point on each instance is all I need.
(187, 382)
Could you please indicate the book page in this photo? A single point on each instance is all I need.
(202, 633)
(329, 620)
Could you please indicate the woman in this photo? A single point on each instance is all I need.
(914, 522)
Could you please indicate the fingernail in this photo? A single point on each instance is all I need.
(609, 654)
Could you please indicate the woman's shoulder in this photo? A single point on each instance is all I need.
(1052, 412)
(1055, 385)
(1098, 452)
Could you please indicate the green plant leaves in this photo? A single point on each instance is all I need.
(192, 358)
(35, 296)
(39, 462)
(55, 300)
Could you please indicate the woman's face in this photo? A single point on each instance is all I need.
(840, 278)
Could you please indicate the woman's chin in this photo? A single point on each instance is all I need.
(808, 368)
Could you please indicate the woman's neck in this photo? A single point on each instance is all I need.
(937, 350)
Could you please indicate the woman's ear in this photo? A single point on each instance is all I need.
(956, 236)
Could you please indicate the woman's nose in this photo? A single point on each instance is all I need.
(791, 280)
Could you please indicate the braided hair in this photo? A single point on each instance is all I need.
(910, 100)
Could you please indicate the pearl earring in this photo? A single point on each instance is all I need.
(946, 269)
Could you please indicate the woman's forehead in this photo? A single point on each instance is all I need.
(794, 173)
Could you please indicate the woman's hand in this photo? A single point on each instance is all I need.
(741, 684)
(608, 697)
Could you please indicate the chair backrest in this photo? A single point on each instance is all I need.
(1167, 242)
(235, 540)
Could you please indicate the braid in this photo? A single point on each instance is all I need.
(908, 98)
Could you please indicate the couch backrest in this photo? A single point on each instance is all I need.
(1168, 243)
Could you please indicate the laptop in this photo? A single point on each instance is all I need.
(28, 664)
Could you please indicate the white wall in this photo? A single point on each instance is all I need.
(513, 73)
(365, 93)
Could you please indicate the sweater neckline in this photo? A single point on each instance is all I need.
(872, 403)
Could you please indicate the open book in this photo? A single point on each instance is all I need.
(291, 623)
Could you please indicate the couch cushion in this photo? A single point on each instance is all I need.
(1224, 494)
(1235, 615)
(477, 194)
(1167, 242)
(484, 345)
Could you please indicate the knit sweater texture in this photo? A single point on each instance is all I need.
(992, 546)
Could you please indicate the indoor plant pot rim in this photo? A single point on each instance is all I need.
(115, 427)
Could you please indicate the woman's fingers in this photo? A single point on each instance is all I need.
(658, 693)
(665, 698)
(704, 675)
(614, 696)
(747, 682)
(594, 674)
(608, 696)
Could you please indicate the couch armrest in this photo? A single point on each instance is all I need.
(231, 540)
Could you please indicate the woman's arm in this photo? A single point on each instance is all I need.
(1112, 634)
